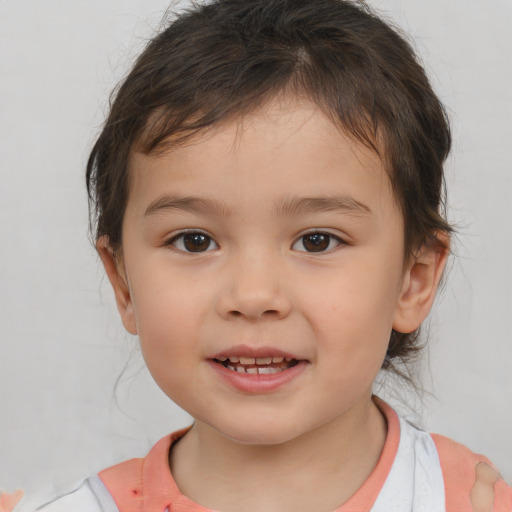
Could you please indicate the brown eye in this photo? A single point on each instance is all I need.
(193, 242)
(316, 242)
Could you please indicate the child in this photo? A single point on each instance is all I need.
(267, 196)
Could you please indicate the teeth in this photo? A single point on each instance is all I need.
(254, 370)
(255, 365)
(254, 360)
(268, 369)
(263, 360)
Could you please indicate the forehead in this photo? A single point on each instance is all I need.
(286, 147)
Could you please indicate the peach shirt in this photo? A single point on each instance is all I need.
(152, 488)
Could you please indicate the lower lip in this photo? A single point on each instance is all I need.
(256, 383)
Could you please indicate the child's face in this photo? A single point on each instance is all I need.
(270, 236)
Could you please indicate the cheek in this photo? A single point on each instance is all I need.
(352, 314)
(358, 293)
(168, 315)
(169, 346)
(164, 298)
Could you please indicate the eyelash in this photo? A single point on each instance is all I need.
(321, 237)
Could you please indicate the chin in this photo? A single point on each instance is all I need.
(260, 434)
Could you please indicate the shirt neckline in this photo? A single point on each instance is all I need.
(161, 491)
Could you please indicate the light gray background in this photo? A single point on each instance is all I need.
(62, 346)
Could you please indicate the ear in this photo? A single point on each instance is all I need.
(114, 266)
(420, 283)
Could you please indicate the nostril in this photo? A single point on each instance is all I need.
(253, 304)
(268, 312)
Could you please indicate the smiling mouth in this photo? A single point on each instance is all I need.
(256, 365)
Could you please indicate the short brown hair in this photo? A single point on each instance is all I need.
(224, 58)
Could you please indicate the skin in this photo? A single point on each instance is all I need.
(258, 284)
(482, 494)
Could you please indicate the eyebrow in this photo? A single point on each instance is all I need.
(185, 203)
(287, 206)
(301, 205)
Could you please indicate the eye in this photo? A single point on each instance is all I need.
(193, 241)
(317, 242)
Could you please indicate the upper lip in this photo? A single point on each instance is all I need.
(254, 352)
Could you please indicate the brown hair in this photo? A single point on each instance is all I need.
(227, 57)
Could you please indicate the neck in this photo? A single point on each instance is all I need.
(334, 460)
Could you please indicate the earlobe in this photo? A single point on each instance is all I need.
(116, 273)
(420, 283)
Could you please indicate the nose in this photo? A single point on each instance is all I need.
(253, 289)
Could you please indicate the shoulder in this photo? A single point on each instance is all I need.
(80, 499)
(88, 496)
(99, 493)
(124, 482)
(128, 486)
(139, 483)
(471, 481)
